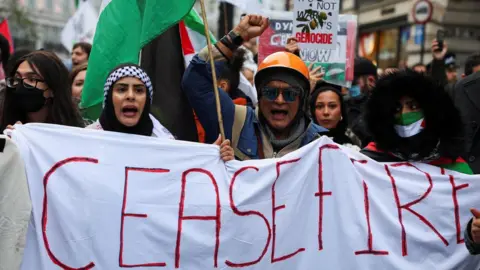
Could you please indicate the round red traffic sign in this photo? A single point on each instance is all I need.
(422, 11)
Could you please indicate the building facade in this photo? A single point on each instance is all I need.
(48, 17)
(389, 35)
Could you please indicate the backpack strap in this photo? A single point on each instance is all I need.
(238, 122)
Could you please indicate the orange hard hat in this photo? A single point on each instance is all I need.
(283, 61)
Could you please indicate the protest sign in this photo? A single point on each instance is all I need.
(275, 37)
(315, 23)
(110, 201)
(337, 64)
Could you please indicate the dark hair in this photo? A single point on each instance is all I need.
(232, 69)
(418, 65)
(322, 87)
(442, 119)
(75, 72)
(86, 47)
(4, 50)
(61, 108)
(14, 57)
(472, 61)
(364, 67)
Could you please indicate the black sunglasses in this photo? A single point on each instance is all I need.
(289, 94)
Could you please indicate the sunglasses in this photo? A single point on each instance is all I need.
(289, 94)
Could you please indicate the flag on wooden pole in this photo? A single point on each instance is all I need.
(123, 29)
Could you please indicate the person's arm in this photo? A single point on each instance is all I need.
(197, 84)
(473, 248)
(438, 71)
(15, 206)
(197, 81)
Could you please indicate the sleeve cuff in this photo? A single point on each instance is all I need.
(473, 248)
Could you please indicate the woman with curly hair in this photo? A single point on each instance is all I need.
(411, 118)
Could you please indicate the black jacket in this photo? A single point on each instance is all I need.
(466, 96)
(356, 121)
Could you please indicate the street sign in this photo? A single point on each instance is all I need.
(422, 11)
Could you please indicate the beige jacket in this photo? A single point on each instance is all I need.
(15, 205)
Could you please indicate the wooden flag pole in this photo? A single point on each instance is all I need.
(214, 73)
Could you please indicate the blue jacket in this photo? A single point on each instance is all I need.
(240, 122)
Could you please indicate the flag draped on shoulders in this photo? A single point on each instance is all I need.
(124, 28)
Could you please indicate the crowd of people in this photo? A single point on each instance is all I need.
(417, 114)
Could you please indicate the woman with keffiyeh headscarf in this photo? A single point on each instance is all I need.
(128, 94)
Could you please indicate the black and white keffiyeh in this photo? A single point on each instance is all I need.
(108, 119)
(127, 71)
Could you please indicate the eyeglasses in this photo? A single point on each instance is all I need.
(27, 82)
(289, 94)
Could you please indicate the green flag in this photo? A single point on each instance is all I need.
(123, 29)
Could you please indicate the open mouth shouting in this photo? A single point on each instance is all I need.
(130, 111)
(279, 115)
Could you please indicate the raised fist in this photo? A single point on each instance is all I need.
(251, 26)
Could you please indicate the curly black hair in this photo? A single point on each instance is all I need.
(442, 119)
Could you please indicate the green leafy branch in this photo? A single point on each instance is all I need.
(312, 19)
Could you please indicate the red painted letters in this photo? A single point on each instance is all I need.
(456, 210)
(276, 208)
(369, 249)
(321, 193)
(408, 206)
(136, 215)
(247, 213)
(55, 167)
(215, 218)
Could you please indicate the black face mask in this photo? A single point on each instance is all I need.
(28, 99)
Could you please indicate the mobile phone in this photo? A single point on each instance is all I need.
(440, 39)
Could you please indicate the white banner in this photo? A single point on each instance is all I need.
(109, 201)
(81, 26)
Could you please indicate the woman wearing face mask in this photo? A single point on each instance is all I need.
(329, 111)
(38, 91)
(407, 115)
(128, 94)
(77, 79)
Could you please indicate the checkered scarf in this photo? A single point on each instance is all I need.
(127, 71)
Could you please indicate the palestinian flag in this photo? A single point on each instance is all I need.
(458, 165)
(124, 28)
(409, 124)
(192, 35)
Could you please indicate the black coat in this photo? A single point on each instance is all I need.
(466, 96)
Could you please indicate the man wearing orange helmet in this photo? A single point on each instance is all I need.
(279, 125)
